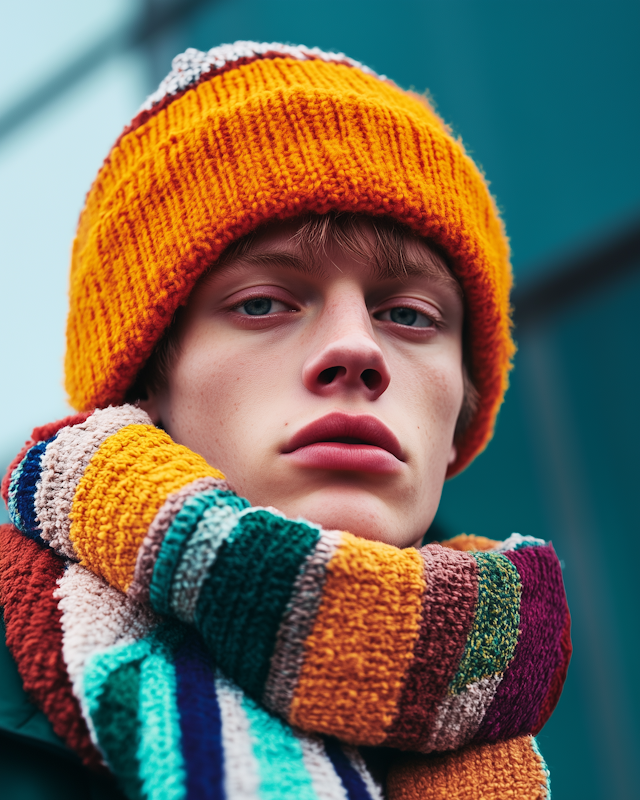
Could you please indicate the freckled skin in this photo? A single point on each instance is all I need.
(241, 386)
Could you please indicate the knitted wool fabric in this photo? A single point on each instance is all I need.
(248, 133)
(206, 648)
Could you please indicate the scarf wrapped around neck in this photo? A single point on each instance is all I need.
(199, 647)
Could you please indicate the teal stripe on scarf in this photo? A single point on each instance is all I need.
(100, 665)
(116, 724)
(14, 483)
(130, 693)
(201, 550)
(493, 637)
(243, 600)
(159, 752)
(177, 536)
(278, 753)
(112, 688)
(544, 769)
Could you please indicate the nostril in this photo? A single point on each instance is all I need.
(371, 378)
(329, 375)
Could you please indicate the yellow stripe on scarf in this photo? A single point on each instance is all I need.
(127, 481)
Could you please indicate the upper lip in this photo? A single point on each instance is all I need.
(338, 426)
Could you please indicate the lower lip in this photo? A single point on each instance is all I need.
(348, 457)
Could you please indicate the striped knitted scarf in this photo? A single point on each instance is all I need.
(199, 647)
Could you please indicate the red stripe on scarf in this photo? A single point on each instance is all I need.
(559, 676)
(28, 578)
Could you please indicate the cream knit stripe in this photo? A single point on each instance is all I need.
(187, 67)
(241, 777)
(152, 542)
(198, 556)
(95, 617)
(459, 716)
(326, 783)
(63, 464)
(357, 762)
(297, 623)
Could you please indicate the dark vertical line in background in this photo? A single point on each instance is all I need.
(565, 485)
(160, 47)
(598, 264)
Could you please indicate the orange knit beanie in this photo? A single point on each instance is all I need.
(249, 132)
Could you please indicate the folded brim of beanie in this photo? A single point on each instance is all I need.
(263, 133)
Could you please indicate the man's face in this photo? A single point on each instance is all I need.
(324, 389)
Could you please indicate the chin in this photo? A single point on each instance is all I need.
(363, 515)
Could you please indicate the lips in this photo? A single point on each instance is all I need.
(348, 442)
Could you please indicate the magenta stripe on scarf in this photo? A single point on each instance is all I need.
(523, 689)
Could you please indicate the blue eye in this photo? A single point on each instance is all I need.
(407, 316)
(403, 316)
(258, 306)
(261, 307)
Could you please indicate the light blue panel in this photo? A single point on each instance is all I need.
(46, 168)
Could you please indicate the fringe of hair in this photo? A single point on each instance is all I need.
(391, 251)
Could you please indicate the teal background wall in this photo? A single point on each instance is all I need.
(545, 97)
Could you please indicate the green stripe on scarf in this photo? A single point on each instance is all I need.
(278, 753)
(243, 600)
(492, 641)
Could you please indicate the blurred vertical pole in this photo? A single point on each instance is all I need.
(565, 486)
(160, 48)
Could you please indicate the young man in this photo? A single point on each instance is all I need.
(320, 366)
(289, 308)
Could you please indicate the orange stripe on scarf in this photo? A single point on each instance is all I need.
(496, 771)
(359, 617)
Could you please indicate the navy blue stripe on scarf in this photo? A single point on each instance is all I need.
(350, 777)
(25, 495)
(200, 722)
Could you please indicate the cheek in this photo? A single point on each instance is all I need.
(225, 396)
(209, 390)
(436, 397)
(445, 388)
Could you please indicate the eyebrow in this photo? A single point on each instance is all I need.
(278, 258)
(306, 266)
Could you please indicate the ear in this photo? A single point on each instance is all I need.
(152, 407)
(452, 455)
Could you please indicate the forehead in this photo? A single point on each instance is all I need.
(314, 244)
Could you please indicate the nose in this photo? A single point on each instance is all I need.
(348, 360)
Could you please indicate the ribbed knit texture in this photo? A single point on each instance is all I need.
(250, 133)
(195, 638)
(510, 769)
